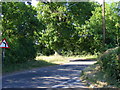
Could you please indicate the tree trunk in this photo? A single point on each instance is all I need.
(103, 21)
(118, 53)
(118, 56)
(57, 52)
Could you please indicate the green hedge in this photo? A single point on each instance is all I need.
(21, 50)
(110, 65)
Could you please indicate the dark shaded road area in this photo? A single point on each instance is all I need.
(60, 76)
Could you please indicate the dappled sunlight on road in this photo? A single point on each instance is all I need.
(60, 76)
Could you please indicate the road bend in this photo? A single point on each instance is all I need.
(60, 76)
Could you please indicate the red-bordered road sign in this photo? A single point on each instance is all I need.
(4, 44)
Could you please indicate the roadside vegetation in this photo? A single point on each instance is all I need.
(106, 72)
(54, 33)
(12, 68)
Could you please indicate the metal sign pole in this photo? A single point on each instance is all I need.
(3, 56)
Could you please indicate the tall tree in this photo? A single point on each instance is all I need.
(61, 21)
(95, 26)
(19, 24)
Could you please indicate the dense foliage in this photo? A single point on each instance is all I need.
(19, 23)
(110, 65)
(63, 21)
(94, 25)
(72, 28)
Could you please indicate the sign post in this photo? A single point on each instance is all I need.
(3, 55)
(3, 45)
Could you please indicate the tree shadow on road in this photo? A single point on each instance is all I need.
(91, 59)
(46, 77)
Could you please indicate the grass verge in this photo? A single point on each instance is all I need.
(25, 66)
(94, 78)
(55, 59)
(83, 57)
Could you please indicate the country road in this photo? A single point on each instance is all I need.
(60, 76)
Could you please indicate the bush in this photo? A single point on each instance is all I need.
(110, 65)
(20, 51)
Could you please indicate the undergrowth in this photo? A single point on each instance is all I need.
(106, 72)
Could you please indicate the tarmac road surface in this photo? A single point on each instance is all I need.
(60, 76)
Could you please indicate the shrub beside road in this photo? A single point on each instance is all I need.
(106, 72)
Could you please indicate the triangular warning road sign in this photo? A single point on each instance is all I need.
(4, 44)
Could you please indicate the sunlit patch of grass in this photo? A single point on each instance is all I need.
(83, 57)
(57, 59)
